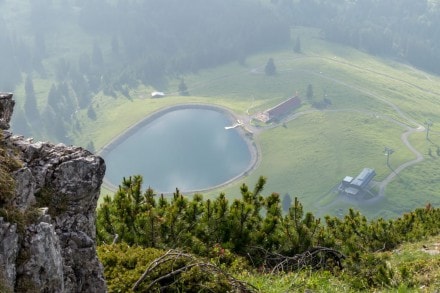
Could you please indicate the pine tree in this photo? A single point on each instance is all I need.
(30, 105)
(268, 236)
(178, 233)
(49, 120)
(287, 202)
(20, 123)
(242, 223)
(149, 220)
(125, 208)
(97, 58)
(62, 69)
(299, 230)
(297, 46)
(270, 68)
(39, 45)
(183, 89)
(53, 98)
(24, 56)
(84, 65)
(105, 229)
(91, 113)
(221, 214)
(207, 227)
(115, 45)
(309, 93)
(91, 147)
(59, 130)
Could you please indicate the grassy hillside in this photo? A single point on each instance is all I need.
(373, 101)
(315, 151)
(415, 267)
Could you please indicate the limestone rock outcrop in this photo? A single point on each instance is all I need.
(6, 108)
(8, 253)
(49, 245)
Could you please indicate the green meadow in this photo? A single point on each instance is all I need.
(373, 100)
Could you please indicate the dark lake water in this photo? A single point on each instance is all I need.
(185, 148)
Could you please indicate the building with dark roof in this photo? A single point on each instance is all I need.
(280, 110)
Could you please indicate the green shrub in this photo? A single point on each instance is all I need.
(171, 271)
(368, 270)
(123, 265)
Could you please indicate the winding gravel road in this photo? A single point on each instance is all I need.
(409, 123)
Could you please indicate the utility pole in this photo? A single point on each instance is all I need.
(428, 124)
(388, 152)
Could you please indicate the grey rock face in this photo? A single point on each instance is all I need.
(8, 253)
(25, 188)
(57, 188)
(6, 107)
(42, 265)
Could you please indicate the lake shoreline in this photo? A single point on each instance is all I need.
(252, 146)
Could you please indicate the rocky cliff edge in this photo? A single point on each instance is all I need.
(47, 223)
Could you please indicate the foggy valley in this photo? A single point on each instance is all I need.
(324, 110)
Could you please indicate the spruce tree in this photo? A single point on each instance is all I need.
(183, 89)
(90, 147)
(287, 202)
(97, 58)
(30, 105)
(20, 123)
(270, 68)
(53, 98)
(309, 92)
(297, 47)
(91, 113)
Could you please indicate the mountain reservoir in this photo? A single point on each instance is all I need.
(186, 147)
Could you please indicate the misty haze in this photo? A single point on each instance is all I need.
(268, 107)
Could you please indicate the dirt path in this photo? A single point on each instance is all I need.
(419, 157)
(410, 124)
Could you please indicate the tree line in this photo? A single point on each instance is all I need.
(254, 227)
(402, 29)
(120, 45)
(134, 41)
